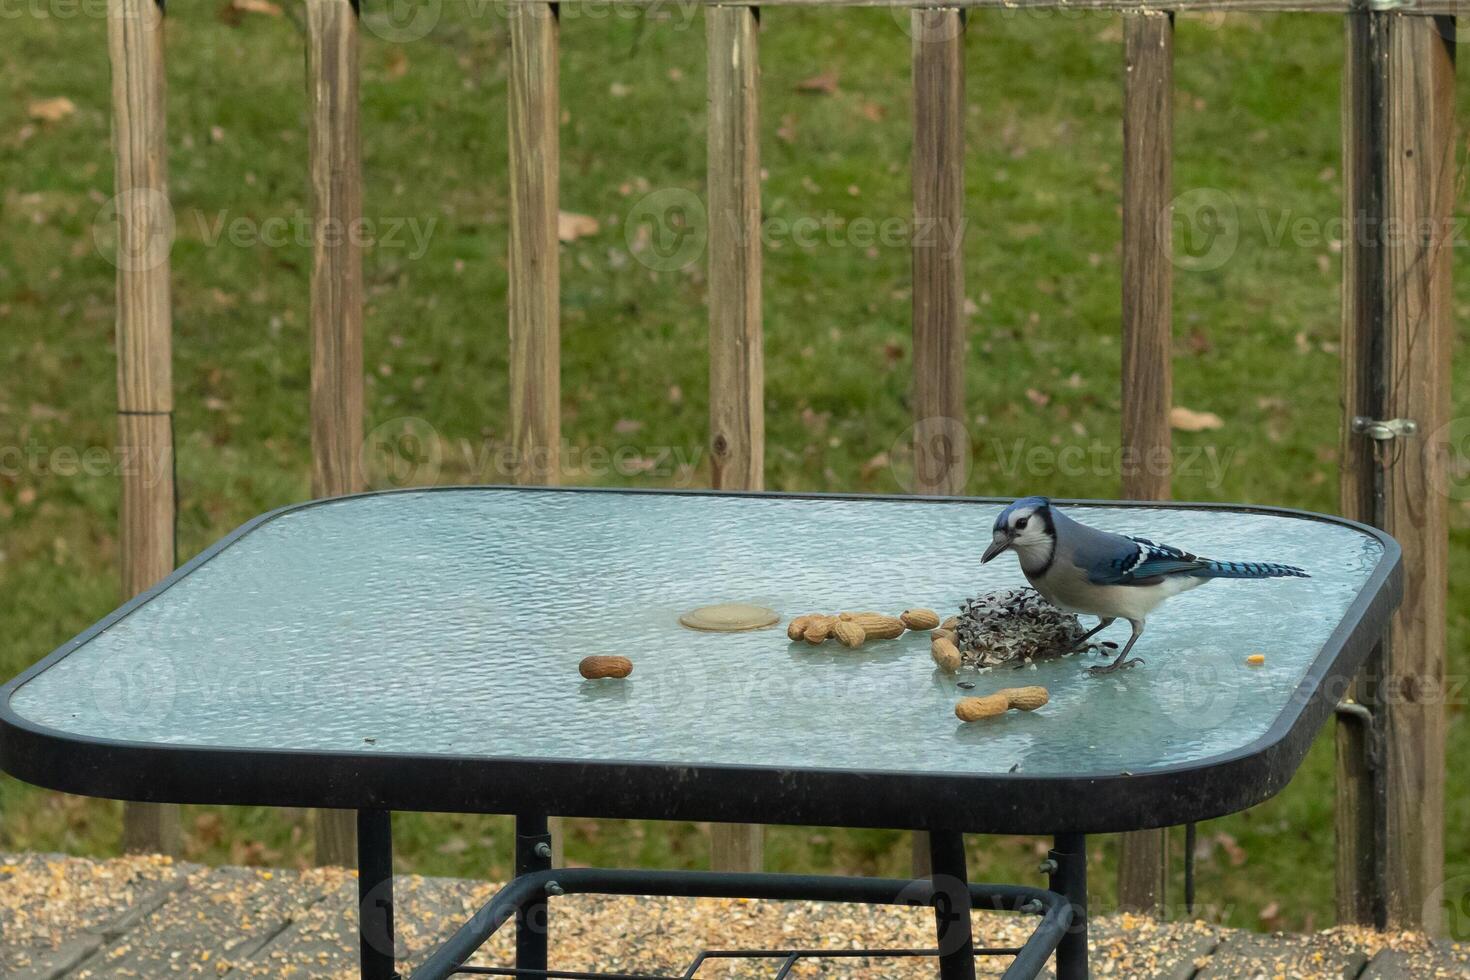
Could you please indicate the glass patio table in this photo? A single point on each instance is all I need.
(419, 650)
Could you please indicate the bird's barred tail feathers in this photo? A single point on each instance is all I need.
(1249, 569)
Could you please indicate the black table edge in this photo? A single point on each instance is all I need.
(1018, 802)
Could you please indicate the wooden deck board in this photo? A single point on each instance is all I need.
(221, 916)
(75, 919)
(56, 912)
(1440, 959)
(322, 941)
(1243, 955)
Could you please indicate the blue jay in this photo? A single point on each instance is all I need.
(1112, 576)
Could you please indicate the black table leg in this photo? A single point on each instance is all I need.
(951, 900)
(1069, 878)
(375, 894)
(533, 853)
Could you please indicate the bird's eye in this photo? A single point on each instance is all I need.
(1021, 524)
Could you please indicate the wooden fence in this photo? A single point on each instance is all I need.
(1398, 149)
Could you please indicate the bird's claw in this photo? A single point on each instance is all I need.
(1116, 665)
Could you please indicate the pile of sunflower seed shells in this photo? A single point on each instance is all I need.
(1013, 626)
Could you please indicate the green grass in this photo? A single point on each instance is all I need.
(1257, 120)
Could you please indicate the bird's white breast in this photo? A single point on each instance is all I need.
(1066, 586)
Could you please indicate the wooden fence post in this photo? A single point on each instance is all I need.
(144, 334)
(1148, 158)
(534, 131)
(941, 443)
(1399, 169)
(535, 275)
(336, 295)
(1359, 882)
(736, 359)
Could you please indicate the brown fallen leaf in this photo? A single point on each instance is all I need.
(397, 65)
(570, 227)
(234, 11)
(1232, 848)
(1188, 420)
(875, 464)
(823, 84)
(51, 110)
(265, 7)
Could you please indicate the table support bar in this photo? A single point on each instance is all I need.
(528, 889)
(951, 900)
(533, 855)
(1069, 879)
(375, 894)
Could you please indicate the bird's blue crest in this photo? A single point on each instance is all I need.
(1023, 503)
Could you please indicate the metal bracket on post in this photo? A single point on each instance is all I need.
(533, 855)
(1364, 717)
(1383, 430)
(1348, 708)
(1066, 870)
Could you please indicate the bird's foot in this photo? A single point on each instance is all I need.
(1115, 665)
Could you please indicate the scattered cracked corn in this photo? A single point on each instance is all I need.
(652, 934)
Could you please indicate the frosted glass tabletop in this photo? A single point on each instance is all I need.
(450, 623)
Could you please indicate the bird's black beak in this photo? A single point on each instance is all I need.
(1000, 543)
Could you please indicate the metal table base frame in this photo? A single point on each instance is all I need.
(1061, 909)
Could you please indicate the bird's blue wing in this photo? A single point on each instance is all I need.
(1139, 560)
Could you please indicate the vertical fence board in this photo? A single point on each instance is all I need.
(1397, 327)
(535, 280)
(144, 334)
(534, 120)
(1148, 151)
(736, 358)
(1420, 158)
(335, 162)
(1356, 836)
(938, 176)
